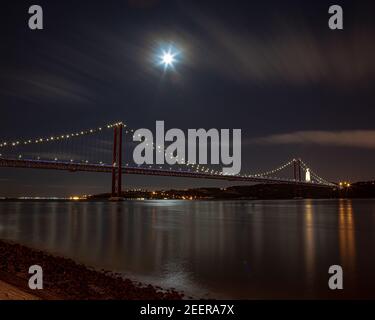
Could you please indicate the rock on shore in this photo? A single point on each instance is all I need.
(65, 279)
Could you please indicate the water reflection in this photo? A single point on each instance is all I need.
(231, 249)
(309, 243)
(347, 235)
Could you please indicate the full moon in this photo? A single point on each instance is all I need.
(168, 58)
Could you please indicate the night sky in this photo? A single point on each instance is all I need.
(271, 68)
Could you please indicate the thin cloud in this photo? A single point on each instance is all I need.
(290, 53)
(348, 138)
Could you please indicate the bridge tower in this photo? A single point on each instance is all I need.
(297, 170)
(117, 162)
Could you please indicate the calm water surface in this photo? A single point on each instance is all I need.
(220, 249)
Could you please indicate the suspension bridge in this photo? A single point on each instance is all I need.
(106, 149)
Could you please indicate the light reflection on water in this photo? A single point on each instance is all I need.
(231, 249)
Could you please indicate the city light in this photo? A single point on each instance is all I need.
(345, 184)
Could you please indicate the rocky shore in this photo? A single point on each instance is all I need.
(65, 279)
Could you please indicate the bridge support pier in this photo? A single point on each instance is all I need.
(117, 164)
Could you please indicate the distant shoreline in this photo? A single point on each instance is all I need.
(357, 190)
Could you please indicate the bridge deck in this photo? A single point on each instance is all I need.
(86, 167)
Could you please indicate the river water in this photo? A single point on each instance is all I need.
(218, 249)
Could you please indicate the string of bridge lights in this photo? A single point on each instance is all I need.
(61, 137)
(270, 172)
(321, 180)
